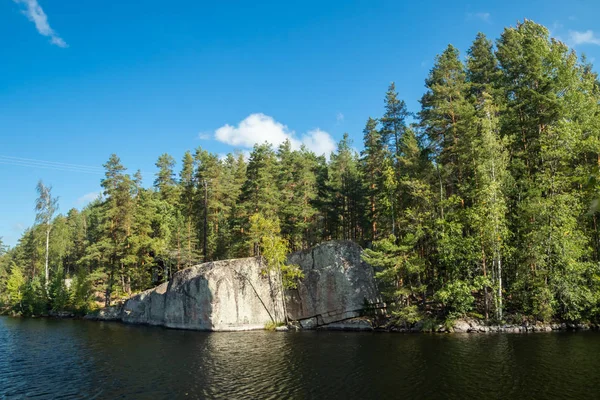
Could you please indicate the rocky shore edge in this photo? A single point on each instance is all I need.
(462, 325)
(365, 324)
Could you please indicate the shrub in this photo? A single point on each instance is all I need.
(408, 316)
(456, 298)
(270, 326)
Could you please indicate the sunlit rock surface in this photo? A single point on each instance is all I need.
(336, 286)
(235, 295)
(228, 295)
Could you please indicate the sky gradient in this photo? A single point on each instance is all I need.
(81, 80)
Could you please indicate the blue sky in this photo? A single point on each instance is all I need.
(80, 80)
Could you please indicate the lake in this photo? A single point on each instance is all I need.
(47, 358)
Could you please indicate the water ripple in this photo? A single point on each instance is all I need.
(50, 359)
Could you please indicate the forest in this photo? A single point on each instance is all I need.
(483, 202)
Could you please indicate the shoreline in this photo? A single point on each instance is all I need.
(360, 324)
(463, 325)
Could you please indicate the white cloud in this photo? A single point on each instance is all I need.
(256, 128)
(204, 136)
(587, 37)
(319, 142)
(260, 128)
(484, 16)
(339, 117)
(87, 198)
(35, 14)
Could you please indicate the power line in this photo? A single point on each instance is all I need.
(53, 165)
(61, 164)
(57, 168)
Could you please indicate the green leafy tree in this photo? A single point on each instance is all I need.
(15, 286)
(265, 233)
(45, 208)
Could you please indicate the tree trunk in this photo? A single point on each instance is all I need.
(108, 290)
(485, 288)
(205, 220)
(47, 255)
(499, 288)
(285, 316)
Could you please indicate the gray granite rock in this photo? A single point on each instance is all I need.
(336, 286)
(228, 295)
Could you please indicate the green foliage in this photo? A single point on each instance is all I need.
(408, 316)
(398, 268)
(58, 294)
(35, 298)
(82, 294)
(15, 288)
(542, 302)
(274, 249)
(271, 326)
(456, 298)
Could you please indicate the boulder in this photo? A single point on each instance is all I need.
(112, 313)
(147, 307)
(229, 295)
(354, 324)
(460, 325)
(223, 296)
(337, 284)
(233, 295)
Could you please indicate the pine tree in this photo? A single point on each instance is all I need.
(234, 246)
(445, 116)
(117, 220)
(447, 120)
(188, 190)
(417, 205)
(482, 71)
(210, 175)
(165, 178)
(346, 197)
(393, 122)
(373, 164)
(297, 188)
(260, 192)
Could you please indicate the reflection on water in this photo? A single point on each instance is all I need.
(81, 359)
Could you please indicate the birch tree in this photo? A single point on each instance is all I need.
(45, 208)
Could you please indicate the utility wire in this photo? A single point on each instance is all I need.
(53, 163)
(57, 166)
(54, 167)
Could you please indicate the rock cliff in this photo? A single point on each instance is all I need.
(336, 286)
(235, 294)
(227, 295)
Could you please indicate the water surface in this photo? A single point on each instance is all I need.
(46, 358)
